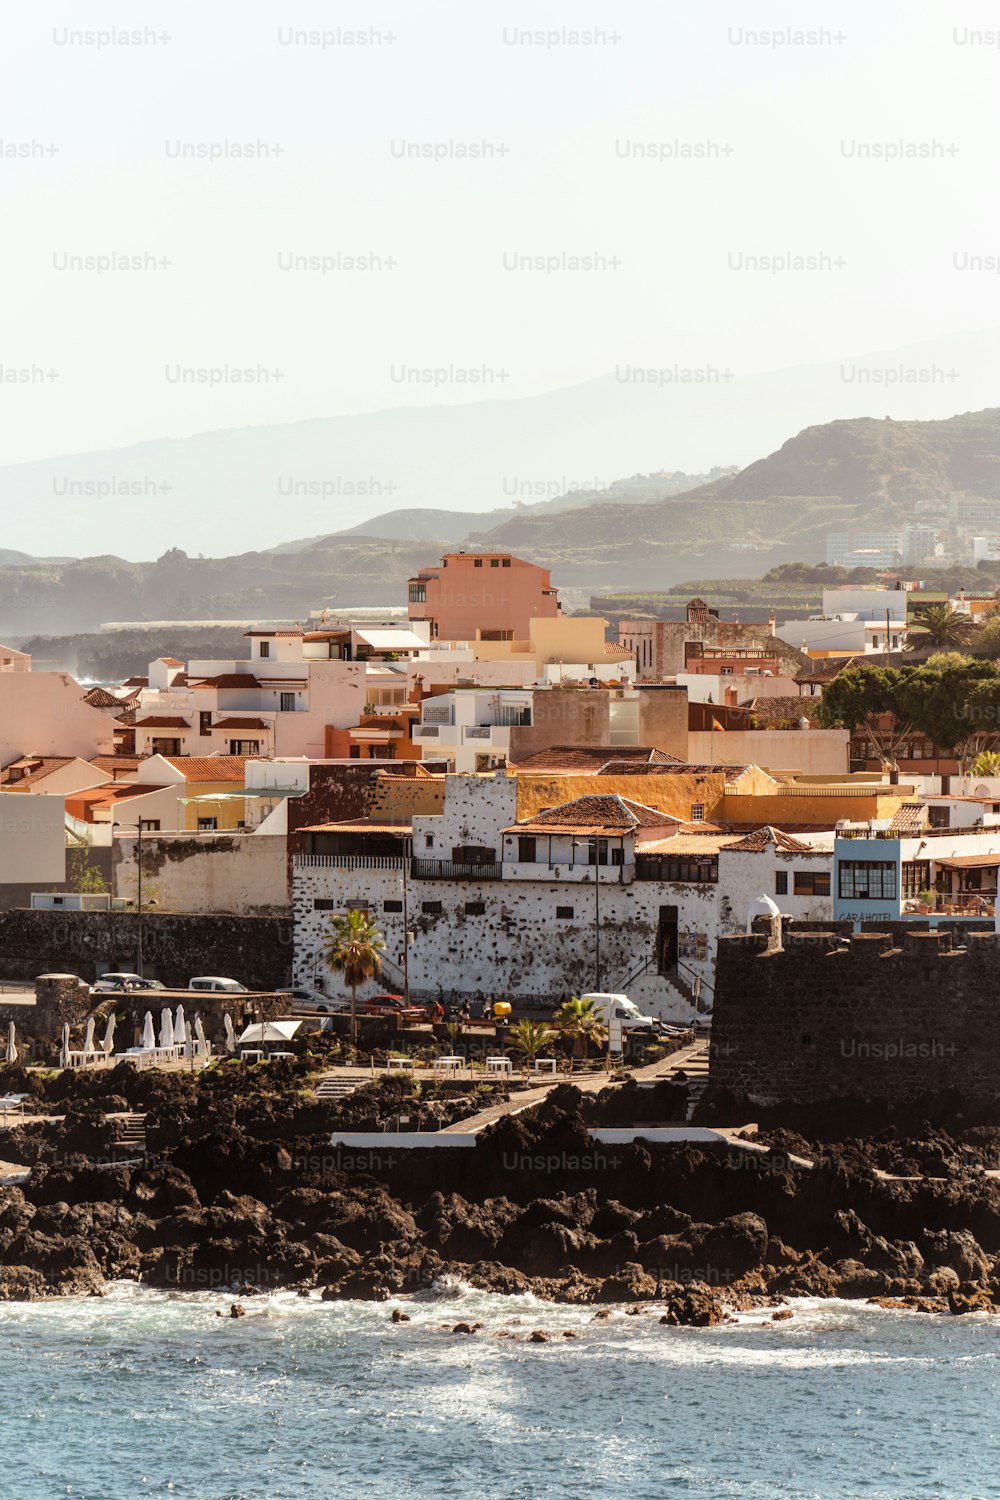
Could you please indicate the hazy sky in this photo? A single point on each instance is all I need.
(788, 132)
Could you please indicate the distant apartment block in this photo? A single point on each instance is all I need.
(493, 593)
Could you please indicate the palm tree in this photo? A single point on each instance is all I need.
(530, 1038)
(579, 1020)
(352, 949)
(937, 627)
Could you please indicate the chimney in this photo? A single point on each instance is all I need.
(773, 623)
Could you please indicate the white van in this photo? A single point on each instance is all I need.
(213, 982)
(621, 1008)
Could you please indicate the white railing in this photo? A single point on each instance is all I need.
(350, 861)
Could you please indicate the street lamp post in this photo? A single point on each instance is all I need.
(406, 934)
(594, 845)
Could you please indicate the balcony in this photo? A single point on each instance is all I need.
(350, 861)
(449, 869)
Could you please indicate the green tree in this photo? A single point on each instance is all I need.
(81, 874)
(529, 1039)
(938, 627)
(352, 948)
(867, 698)
(956, 706)
(579, 1020)
(986, 763)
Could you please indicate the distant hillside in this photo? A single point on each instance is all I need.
(315, 477)
(779, 509)
(460, 525)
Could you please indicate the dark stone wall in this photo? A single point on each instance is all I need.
(886, 1016)
(255, 950)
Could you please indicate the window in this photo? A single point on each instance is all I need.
(656, 867)
(431, 908)
(564, 911)
(475, 908)
(478, 562)
(473, 854)
(697, 812)
(867, 881)
(597, 852)
(392, 906)
(207, 825)
(149, 825)
(939, 817)
(244, 747)
(916, 876)
(618, 856)
(505, 562)
(418, 593)
(265, 648)
(781, 882)
(286, 703)
(322, 903)
(526, 849)
(205, 721)
(355, 752)
(494, 562)
(428, 841)
(812, 882)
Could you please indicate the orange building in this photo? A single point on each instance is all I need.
(493, 593)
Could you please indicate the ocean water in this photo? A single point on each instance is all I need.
(148, 1393)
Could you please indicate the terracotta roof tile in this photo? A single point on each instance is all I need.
(99, 697)
(598, 815)
(211, 767)
(590, 759)
(228, 680)
(782, 710)
(162, 721)
(766, 838)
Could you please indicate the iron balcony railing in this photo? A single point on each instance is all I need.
(449, 869)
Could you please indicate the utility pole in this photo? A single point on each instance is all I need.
(597, 917)
(406, 930)
(138, 945)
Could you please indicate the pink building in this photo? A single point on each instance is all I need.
(493, 593)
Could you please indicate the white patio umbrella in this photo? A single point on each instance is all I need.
(64, 1049)
(11, 1044)
(166, 1027)
(88, 1040)
(227, 1022)
(199, 1029)
(180, 1028)
(109, 1035)
(148, 1034)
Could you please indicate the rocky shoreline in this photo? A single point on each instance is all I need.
(239, 1190)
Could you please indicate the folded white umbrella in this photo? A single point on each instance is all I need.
(166, 1027)
(88, 1040)
(11, 1044)
(109, 1035)
(64, 1050)
(199, 1029)
(148, 1034)
(227, 1022)
(180, 1028)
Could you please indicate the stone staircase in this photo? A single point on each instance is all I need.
(695, 1062)
(336, 1086)
(130, 1134)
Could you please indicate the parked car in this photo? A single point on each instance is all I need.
(314, 1002)
(391, 1005)
(213, 982)
(108, 984)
